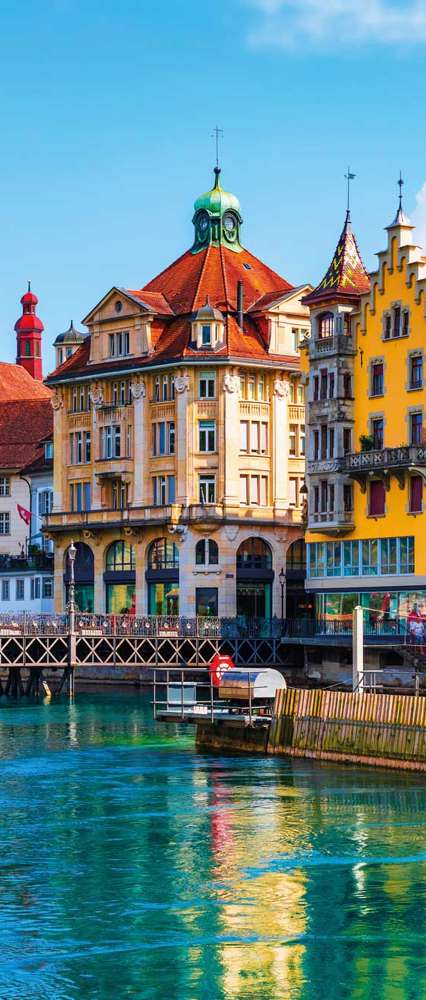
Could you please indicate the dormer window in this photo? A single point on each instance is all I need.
(119, 344)
(207, 328)
(325, 325)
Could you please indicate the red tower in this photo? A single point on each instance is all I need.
(29, 329)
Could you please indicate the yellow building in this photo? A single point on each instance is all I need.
(179, 435)
(365, 527)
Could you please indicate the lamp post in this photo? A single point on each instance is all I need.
(72, 552)
(281, 577)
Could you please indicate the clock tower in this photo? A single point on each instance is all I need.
(217, 219)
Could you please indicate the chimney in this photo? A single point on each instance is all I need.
(240, 304)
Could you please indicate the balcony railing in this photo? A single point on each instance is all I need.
(323, 520)
(385, 458)
(339, 344)
(37, 563)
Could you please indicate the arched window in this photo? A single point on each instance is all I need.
(254, 553)
(84, 575)
(206, 552)
(163, 554)
(296, 556)
(325, 325)
(120, 557)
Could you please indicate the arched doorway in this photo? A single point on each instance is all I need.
(120, 578)
(162, 577)
(299, 604)
(84, 576)
(254, 579)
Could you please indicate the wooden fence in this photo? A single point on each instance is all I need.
(379, 729)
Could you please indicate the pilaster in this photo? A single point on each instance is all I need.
(231, 443)
(139, 432)
(280, 399)
(60, 445)
(183, 445)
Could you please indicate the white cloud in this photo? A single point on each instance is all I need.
(324, 23)
(418, 217)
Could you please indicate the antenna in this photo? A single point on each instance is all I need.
(349, 177)
(217, 134)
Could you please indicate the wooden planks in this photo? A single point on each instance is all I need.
(373, 725)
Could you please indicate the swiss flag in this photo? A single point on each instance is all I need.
(24, 513)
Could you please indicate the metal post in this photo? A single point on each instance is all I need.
(72, 552)
(358, 650)
(249, 693)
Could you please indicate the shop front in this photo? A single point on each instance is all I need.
(84, 577)
(162, 578)
(392, 610)
(120, 579)
(254, 579)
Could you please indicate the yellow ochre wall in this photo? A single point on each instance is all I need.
(399, 280)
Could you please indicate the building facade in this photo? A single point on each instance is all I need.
(365, 523)
(179, 435)
(26, 480)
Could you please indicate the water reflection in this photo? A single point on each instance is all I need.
(133, 867)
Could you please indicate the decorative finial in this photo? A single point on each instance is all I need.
(400, 185)
(349, 177)
(216, 134)
(29, 286)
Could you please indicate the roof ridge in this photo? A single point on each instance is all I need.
(224, 278)
(200, 277)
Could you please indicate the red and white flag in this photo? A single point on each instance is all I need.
(24, 513)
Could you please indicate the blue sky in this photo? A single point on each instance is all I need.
(107, 112)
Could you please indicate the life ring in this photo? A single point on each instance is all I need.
(219, 665)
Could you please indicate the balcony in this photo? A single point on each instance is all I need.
(336, 522)
(339, 344)
(38, 563)
(110, 517)
(322, 466)
(384, 460)
(113, 468)
(296, 413)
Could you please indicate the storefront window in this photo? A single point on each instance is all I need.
(163, 555)
(121, 598)
(388, 559)
(206, 601)
(163, 598)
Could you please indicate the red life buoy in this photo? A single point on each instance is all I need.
(218, 667)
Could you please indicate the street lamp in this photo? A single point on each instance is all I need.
(72, 552)
(281, 577)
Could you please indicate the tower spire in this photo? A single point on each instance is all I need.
(29, 329)
(349, 177)
(217, 134)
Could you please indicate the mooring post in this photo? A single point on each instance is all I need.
(358, 649)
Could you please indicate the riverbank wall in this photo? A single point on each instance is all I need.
(381, 730)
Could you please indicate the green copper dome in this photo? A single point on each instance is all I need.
(217, 201)
(217, 219)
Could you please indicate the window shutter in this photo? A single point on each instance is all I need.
(377, 498)
(416, 494)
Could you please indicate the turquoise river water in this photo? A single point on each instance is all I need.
(133, 866)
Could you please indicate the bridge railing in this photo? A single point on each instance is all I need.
(376, 628)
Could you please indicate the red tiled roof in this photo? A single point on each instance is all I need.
(155, 300)
(179, 291)
(213, 274)
(23, 425)
(16, 383)
(347, 274)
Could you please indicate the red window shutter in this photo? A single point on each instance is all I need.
(416, 494)
(377, 498)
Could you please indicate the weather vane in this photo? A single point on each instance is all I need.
(217, 134)
(400, 185)
(349, 177)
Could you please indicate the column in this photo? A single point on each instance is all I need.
(183, 439)
(60, 446)
(280, 398)
(139, 437)
(231, 440)
(97, 398)
(98, 549)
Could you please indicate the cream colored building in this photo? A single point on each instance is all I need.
(179, 435)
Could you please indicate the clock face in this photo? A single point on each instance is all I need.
(229, 222)
(203, 222)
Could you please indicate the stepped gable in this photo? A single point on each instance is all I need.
(347, 275)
